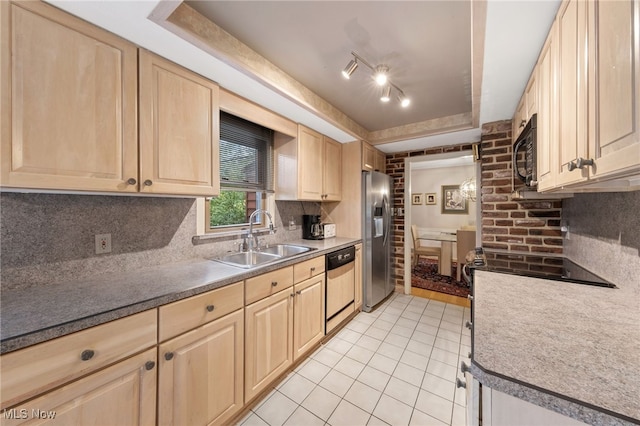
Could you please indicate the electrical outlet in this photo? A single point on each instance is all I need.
(103, 243)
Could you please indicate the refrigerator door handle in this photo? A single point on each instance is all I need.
(385, 215)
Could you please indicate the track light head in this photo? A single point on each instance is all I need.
(349, 69)
(380, 75)
(386, 93)
(404, 101)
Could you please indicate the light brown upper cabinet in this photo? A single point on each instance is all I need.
(614, 89)
(547, 135)
(179, 130)
(309, 167)
(372, 159)
(380, 165)
(68, 109)
(572, 91)
(588, 96)
(368, 157)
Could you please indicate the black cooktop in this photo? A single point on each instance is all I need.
(543, 266)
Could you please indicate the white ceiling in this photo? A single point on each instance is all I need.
(312, 40)
(425, 44)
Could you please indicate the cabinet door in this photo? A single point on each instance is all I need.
(308, 315)
(547, 135)
(381, 162)
(358, 277)
(310, 164)
(614, 116)
(201, 374)
(68, 102)
(519, 118)
(123, 394)
(531, 95)
(332, 177)
(179, 130)
(572, 90)
(268, 341)
(368, 157)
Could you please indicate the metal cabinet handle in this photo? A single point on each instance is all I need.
(580, 163)
(299, 292)
(274, 283)
(522, 123)
(87, 354)
(468, 324)
(470, 297)
(210, 308)
(149, 365)
(460, 383)
(313, 268)
(168, 356)
(292, 295)
(132, 181)
(148, 182)
(463, 367)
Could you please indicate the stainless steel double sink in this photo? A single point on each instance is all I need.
(264, 256)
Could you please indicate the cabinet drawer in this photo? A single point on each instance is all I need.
(187, 314)
(35, 369)
(307, 269)
(267, 284)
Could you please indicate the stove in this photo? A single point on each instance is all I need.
(542, 266)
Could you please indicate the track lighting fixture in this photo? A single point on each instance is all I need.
(380, 74)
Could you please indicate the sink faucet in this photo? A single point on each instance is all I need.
(252, 240)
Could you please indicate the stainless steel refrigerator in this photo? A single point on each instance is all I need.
(377, 228)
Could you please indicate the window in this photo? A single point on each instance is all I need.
(246, 174)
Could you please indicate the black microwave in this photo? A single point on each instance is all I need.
(524, 154)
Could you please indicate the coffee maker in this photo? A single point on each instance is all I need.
(311, 227)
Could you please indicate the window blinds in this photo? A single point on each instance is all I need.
(246, 155)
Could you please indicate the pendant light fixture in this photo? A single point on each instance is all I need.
(380, 74)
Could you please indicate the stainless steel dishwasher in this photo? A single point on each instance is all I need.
(340, 291)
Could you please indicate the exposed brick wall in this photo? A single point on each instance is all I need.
(524, 226)
(528, 226)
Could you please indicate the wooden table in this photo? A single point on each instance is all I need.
(446, 239)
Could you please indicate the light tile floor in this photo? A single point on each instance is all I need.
(394, 366)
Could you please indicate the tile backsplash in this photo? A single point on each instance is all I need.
(50, 237)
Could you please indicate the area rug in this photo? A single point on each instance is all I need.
(425, 275)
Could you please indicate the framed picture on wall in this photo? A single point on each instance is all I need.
(430, 198)
(416, 199)
(453, 202)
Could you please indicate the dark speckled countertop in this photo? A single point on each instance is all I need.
(568, 347)
(38, 314)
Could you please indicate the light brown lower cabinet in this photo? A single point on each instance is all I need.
(268, 341)
(123, 394)
(308, 318)
(200, 378)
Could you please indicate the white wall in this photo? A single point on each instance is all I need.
(431, 181)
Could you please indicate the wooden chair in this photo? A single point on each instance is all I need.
(419, 250)
(465, 241)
